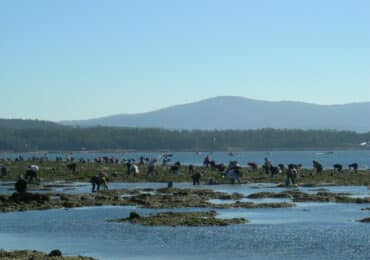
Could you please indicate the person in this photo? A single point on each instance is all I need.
(191, 169)
(31, 173)
(100, 179)
(166, 158)
(267, 166)
(291, 176)
(353, 167)
(141, 162)
(102, 174)
(21, 185)
(294, 176)
(134, 169)
(151, 167)
(317, 167)
(206, 161)
(128, 166)
(196, 178)
(253, 167)
(4, 171)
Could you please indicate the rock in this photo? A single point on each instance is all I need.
(191, 219)
(28, 197)
(36, 255)
(69, 204)
(134, 215)
(55, 253)
(365, 220)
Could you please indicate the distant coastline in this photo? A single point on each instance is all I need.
(123, 151)
(33, 135)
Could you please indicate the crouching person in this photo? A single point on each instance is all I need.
(291, 177)
(98, 180)
(21, 185)
(31, 174)
(196, 178)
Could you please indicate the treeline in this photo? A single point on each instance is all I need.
(21, 124)
(102, 138)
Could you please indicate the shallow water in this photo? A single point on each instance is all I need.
(245, 189)
(308, 231)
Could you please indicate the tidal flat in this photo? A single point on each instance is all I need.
(52, 171)
(63, 213)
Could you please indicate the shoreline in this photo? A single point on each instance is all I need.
(227, 150)
(38, 255)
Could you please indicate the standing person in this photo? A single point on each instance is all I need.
(206, 161)
(317, 167)
(196, 178)
(151, 167)
(267, 166)
(4, 171)
(128, 165)
(191, 169)
(141, 160)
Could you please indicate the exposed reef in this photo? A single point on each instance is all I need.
(365, 220)
(36, 255)
(192, 219)
(146, 198)
(322, 196)
(164, 198)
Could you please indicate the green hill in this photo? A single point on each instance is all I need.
(30, 135)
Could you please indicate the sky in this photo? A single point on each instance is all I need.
(74, 59)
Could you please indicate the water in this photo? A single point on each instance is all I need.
(245, 189)
(308, 231)
(362, 157)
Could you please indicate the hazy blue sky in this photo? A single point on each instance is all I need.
(82, 59)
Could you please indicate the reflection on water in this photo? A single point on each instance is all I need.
(263, 200)
(308, 231)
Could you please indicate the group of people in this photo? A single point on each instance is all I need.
(233, 171)
(338, 168)
(29, 177)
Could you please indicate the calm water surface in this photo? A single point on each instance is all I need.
(308, 231)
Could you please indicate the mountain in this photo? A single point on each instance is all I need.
(26, 123)
(243, 113)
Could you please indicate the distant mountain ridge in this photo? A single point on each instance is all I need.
(239, 113)
(26, 123)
